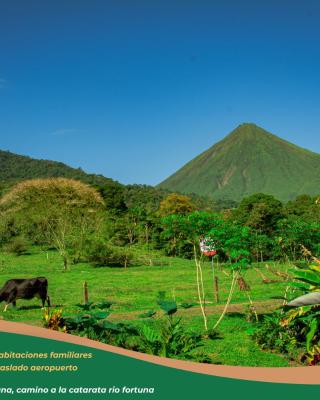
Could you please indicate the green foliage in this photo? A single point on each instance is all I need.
(165, 337)
(260, 212)
(186, 305)
(271, 335)
(114, 197)
(308, 278)
(17, 245)
(176, 204)
(232, 240)
(104, 305)
(147, 197)
(312, 278)
(101, 253)
(80, 322)
(148, 314)
(169, 307)
(292, 232)
(92, 315)
(304, 207)
(305, 321)
(53, 320)
(15, 168)
(57, 212)
(277, 236)
(180, 232)
(296, 327)
(8, 229)
(262, 247)
(170, 339)
(184, 231)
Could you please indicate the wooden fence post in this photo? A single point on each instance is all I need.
(216, 291)
(85, 293)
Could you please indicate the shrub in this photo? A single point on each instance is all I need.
(165, 336)
(296, 327)
(271, 335)
(53, 320)
(17, 246)
(101, 253)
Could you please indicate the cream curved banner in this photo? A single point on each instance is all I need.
(293, 375)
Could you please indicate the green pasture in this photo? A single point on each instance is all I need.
(134, 291)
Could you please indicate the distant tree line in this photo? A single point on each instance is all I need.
(103, 223)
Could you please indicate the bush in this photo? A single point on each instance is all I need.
(53, 320)
(8, 230)
(101, 253)
(165, 336)
(17, 246)
(271, 335)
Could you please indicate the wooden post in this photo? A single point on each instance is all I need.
(216, 291)
(85, 293)
(215, 282)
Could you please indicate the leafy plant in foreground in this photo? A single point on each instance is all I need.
(165, 336)
(169, 338)
(53, 320)
(297, 325)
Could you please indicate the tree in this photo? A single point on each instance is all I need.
(292, 232)
(260, 212)
(260, 245)
(176, 204)
(304, 206)
(113, 196)
(188, 229)
(58, 212)
(230, 239)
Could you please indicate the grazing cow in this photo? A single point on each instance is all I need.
(24, 289)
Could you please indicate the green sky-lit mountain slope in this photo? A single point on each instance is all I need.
(247, 161)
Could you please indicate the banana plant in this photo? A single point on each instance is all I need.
(306, 308)
(308, 281)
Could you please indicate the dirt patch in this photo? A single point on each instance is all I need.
(261, 307)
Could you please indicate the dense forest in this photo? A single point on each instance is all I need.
(138, 215)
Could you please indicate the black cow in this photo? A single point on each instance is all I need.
(24, 289)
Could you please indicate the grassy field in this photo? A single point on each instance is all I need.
(134, 290)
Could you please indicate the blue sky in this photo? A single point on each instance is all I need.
(134, 89)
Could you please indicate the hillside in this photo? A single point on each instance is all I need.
(14, 168)
(247, 161)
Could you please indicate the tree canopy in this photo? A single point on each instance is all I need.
(176, 204)
(57, 211)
